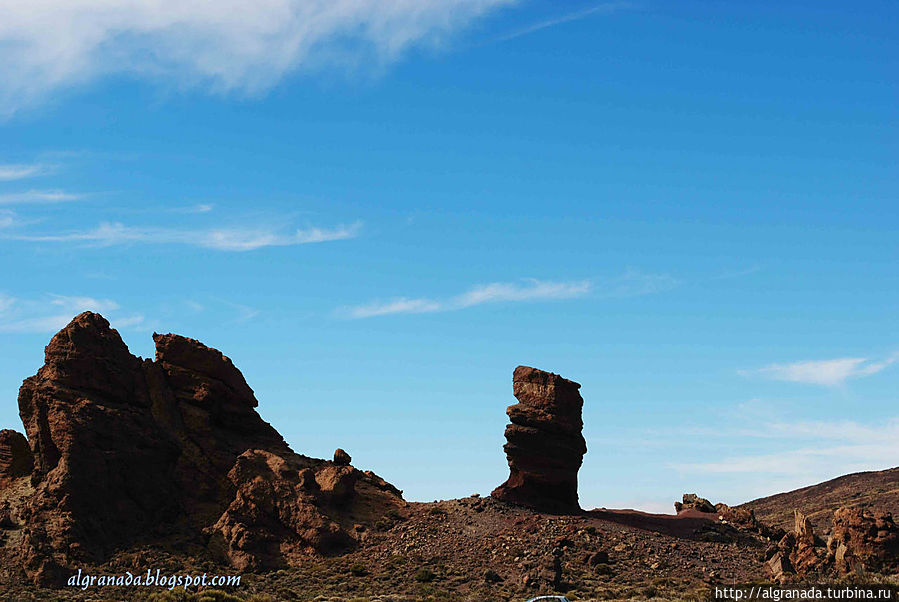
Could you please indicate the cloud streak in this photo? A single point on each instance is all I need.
(603, 8)
(497, 292)
(228, 45)
(631, 284)
(220, 239)
(828, 373)
(839, 447)
(32, 197)
(51, 313)
(20, 171)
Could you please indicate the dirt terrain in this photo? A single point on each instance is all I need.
(481, 549)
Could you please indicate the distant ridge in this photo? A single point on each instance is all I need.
(872, 489)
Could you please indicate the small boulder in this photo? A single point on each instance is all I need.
(341, 458)
(338, 483)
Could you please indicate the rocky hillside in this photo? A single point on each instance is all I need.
(875, 490)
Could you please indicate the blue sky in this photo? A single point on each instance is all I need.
(378, 211)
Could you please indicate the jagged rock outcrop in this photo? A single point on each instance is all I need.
(804, 556)
(544, 446)
(127, 451)
(864, 539)
(795, 553)
(745, 520)
(691, 501)
(15, 456)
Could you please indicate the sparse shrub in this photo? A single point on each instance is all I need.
(384, 524)
(358, 570)
(425, 575)
(395, 515)
(215, 595)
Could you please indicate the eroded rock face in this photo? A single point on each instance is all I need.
(127, 451)
(691, 501)
(103, 468)
(804, 557)
(277, 510)
(15, 456)
(544, 446)
(745, 520)
(864, 538)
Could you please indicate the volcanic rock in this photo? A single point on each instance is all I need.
(778, 567)
(803, 556)
(745, 520)
(127, 451)
(338, 482)
(341, 458)
(15, 456)
(694, 502)
(103, 467)
(864, 538)
(271, 513)
(544, 446)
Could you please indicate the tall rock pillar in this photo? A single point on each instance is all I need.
(544, 446)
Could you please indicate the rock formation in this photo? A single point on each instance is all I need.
(128, 451)
(341, 458)
(804, 557)
(860, 540)
(544, 446)
(15, 456)
(864, 539)
(691, 501)
(795, 553)
(745, 520)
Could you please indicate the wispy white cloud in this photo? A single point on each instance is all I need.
(828, 373)
(397, 306)
(38, 196)
(20, 171)
(7, 219)
(221, 239)
(632, 283)
(838, 447)
(530, 290)
(49, 313)
(198, 208)
(228, 45)
(784, 456)
(602, 8)
(533, 289)
(244, 312)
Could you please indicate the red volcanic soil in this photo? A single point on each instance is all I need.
(684, 524)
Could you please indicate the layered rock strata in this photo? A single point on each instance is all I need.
(544, 446)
